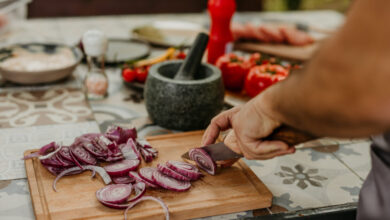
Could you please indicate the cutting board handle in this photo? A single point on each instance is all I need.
(289, 135)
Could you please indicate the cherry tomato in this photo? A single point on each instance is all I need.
(128, 74)
(142, 73)
(181, 55)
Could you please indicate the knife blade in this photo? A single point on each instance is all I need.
(289, 135)
(218, 152)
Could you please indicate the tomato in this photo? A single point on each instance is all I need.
(261, 77)
(142, 73)
(128, 74)
(181, 55)
(234, 70)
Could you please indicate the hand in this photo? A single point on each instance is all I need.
(249, 123)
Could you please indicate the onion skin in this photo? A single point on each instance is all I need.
(171, 173)
(122, 179)
(185, 169)
(170, 183)
(114, 193)
(203, 160)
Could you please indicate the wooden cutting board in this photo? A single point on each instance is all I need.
(234, 189)
(300, 53)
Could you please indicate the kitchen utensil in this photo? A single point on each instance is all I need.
(36, 77)
(284, 133)
(189, 101)
(192, 62)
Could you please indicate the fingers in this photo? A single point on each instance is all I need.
(265, 149)
(219, 123)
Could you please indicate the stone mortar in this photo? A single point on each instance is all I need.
(183, 105)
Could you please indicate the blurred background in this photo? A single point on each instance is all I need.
(50, 8)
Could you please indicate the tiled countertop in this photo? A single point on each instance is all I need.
(324, 176)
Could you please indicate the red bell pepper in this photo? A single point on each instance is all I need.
(234, 70)
(261, 77)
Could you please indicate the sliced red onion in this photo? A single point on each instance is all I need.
(106, 178)
(82, 155)
(92, 149)
(128, 152)
(122, 168)
(134, 147)
(48, 148)
(148, 156)
(113, 159)
(122, 179)
(114, 193)
(203, 160)
(31, 155)
(65, 153)
(170, 183)
(139, 189)
(48, 155)
(138, 178)
(146, 173)
(185, 169)
(159, 201)
(120, 135)
(52, 161)
(75, 159)
(65, 163)
(169, 172)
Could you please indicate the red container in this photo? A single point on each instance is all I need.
(221, 38)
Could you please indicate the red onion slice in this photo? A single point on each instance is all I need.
(203, 160)
(134, 147)
(65, 163)
(185, 169)
(159, 201)
(170, 183)
(114, 193)
(52, 161)
(128, 152)
(146, 173)
(65, 153)
(138, 178)
(106, 178)
(82, 155)
(139, 189)
(169, 172)
(92, 149)
(122, 179)
(122, 168)
(57, 148)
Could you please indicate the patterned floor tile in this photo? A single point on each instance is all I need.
(356, 157)
(307, 179)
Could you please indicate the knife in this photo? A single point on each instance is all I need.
(289, 135)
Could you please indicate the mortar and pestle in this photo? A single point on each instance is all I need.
(184, 95)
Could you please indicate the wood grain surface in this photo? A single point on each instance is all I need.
(233, 189)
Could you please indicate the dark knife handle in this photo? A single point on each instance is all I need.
(289, 135)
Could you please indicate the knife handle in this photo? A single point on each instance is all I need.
(289, 135)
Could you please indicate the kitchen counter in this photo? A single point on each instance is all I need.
(321, 179)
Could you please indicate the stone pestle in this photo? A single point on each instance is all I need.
(190, 66)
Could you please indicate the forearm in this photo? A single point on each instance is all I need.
(344, 91)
